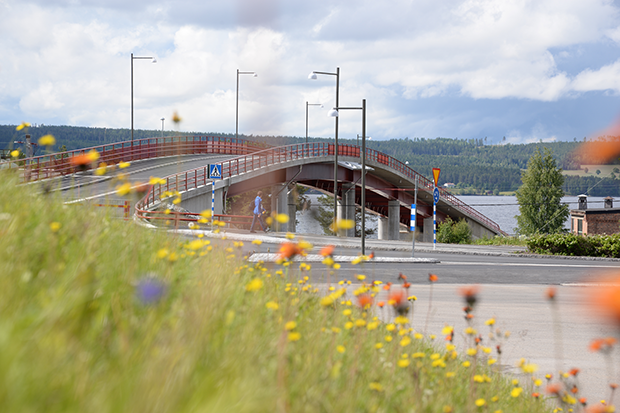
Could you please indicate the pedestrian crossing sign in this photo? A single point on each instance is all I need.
(215, 171)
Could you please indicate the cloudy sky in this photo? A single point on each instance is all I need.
(523, 69)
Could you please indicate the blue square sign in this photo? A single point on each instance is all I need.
(215, 171)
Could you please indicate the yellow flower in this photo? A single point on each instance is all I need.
(15, 153)
(480, 402)
(529, 368)
(418, 355)
(379, 346)
(470, 331)
(254, 285)
(450, 374)
(47, 140)
(375, 386)
(360, 322)
(176, 118)
(490, 322)
(294, 336)
(290, 325)
(282, 218)
(401, 320)
(438, 363)
(402, 363)
(336, 266)
(272, 305)
(162, 253)
(257, 242)
(346, 223)
(22, 126)
(405, 341)
(361, 277)
(418, 336)
(390, 327)
(348, 325)
(466, 363)
(490, 362)
(447, 330)
(103, 168)
(154, 181)
(471, 351)
(372, 325)
(340, 349)
(388, 338)
(55, 226)
(123, 189)
(123, 165)
(516, 391)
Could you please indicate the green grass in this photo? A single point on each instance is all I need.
(76, 337)
(497, 240)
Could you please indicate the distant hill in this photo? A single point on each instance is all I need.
(471, 165)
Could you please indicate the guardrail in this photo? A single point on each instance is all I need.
(58, 164)
(247, 163)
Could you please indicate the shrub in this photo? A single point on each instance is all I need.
(454, 232)
(576, 245)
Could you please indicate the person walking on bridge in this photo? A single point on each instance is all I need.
(258, 212)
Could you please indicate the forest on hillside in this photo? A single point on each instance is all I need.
(471, 164)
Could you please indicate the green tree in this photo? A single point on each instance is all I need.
(540, 195)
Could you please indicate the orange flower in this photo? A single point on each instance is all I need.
(536, 395)
(554, 388)
(387, 286)
(613, 386)
(606, 298)
(402, 276)
(84, 160)
(364, 300)
(432, 278)
(551, 293)
(398, 300)
(327, 251)
(574, 390)
(574, 372)
(597, 408)
(583, 401)
(381, 304)
(602, 344)
(371, 256)
(288, 250)
(469, 294)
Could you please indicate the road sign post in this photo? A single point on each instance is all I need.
(436, 172)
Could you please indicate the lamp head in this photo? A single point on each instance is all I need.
(255, 74)
(312, 76)
(333, 113)
(154, 60)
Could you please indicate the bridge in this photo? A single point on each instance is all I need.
(247, 166)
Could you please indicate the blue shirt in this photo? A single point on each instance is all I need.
(258, 208)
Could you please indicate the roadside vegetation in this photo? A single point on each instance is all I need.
(99, 314)
(575, 245)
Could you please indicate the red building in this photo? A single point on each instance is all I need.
(595, 221)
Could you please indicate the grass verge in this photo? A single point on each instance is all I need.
(100, 315)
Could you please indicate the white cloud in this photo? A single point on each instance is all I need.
(69, 61)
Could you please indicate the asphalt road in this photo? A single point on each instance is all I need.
(86, 185)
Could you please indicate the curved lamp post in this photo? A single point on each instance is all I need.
(162, 127)
(153, 60)
(334, 113)
(254, 74)
(309, 104)
(313, 76)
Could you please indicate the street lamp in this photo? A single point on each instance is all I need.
(334, 113)
(254, 74)
(309, 104)
(162, 127)
(153, 60)
(313, 76)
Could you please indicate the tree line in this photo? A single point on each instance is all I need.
(468, 163)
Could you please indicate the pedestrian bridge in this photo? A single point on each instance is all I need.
(390, 184)
(390, 187)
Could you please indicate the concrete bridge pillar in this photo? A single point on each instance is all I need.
(346, 206)
(427, 234)
(279, 205)
(393, 227)
(291, 210)
(382, 229)
(202, 202)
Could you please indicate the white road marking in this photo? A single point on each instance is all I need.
(514, 264)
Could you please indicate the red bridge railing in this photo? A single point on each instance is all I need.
(58, 164)
(247, 163)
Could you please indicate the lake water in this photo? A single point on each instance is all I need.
(501, 209)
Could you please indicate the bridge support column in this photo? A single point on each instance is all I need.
(279, 205)
(427, 234)
(202, 202)
(291, 209)
(393, 227)
(346, 206)
(382, 229)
